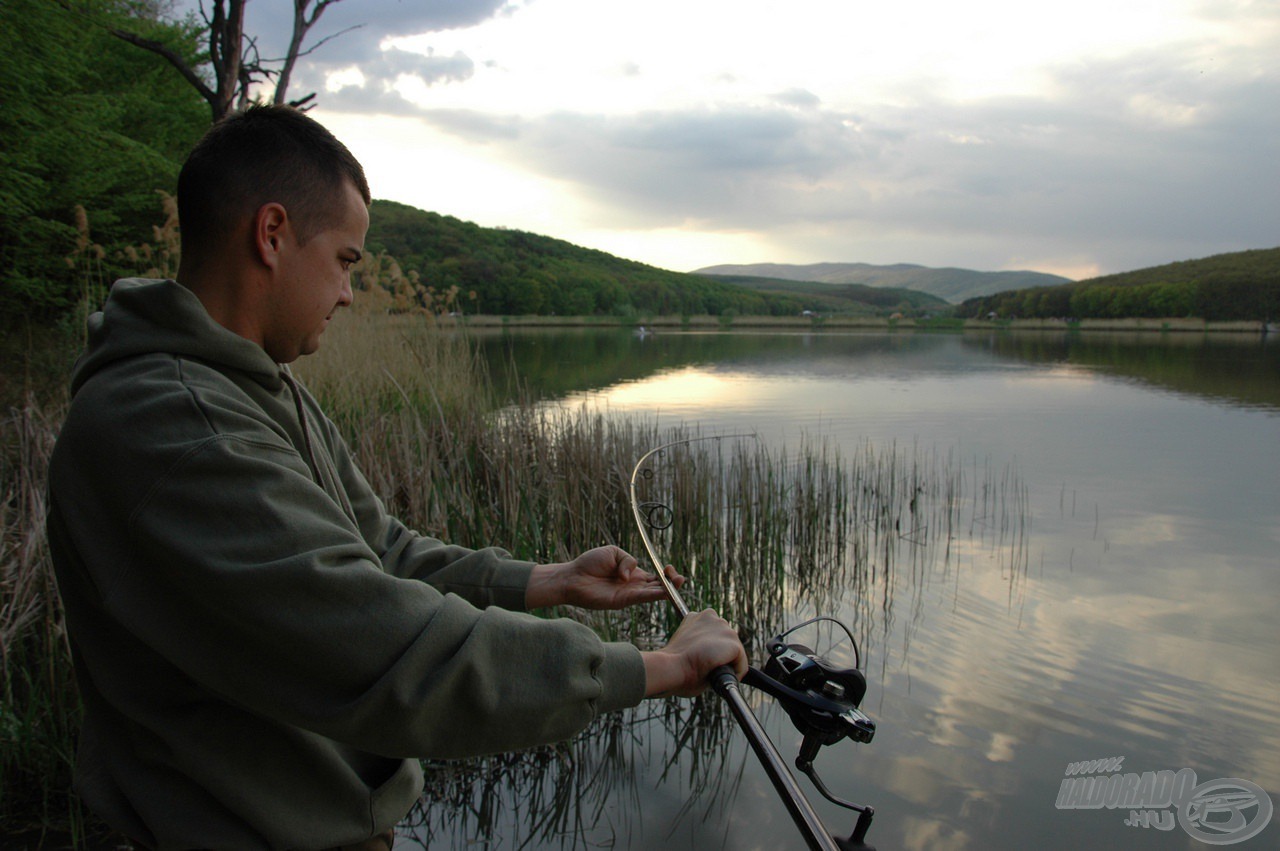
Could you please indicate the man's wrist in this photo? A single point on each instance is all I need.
(664, 673)
(545, 588)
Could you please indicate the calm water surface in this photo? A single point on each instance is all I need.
(1137, 619)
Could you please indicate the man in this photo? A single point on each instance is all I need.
(262, 652)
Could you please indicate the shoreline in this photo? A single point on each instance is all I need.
(713, 323)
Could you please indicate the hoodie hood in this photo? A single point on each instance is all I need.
(145, 316)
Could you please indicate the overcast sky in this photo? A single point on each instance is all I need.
(1077, 138)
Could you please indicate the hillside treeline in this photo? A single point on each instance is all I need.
(844, 298)
(1243, 285)
(90, 129)
(498, 271)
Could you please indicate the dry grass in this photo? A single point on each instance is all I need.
(39, 708)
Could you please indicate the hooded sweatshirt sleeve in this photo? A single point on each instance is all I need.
(484, 577)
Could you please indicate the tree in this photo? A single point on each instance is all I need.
(87, 122)
(236, 64)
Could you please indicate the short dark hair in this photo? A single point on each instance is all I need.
(250, 158)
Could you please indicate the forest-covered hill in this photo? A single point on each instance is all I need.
(503, 271)
(444, 260)
(953, 285)
(845, 298)
(1242, 285)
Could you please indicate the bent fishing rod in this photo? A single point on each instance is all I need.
(821, 699)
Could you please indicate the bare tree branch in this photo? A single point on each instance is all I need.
(322, 42)
(173, 59)
(301, 24)
(303, 103)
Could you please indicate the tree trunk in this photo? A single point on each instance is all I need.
(234, 70)
(226, 43)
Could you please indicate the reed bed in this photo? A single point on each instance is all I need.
(39, 707)
(760, 531)
(763, 533)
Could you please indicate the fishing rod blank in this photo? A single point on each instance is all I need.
(821, 699)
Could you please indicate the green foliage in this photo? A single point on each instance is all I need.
(501, 271)
(1244, 285)
(854, 299)
(88, 121)
(950, 284)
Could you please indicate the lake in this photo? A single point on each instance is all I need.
(1128, 606)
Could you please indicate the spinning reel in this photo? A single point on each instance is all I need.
(822, 700)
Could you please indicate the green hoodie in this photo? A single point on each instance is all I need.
(262, 651)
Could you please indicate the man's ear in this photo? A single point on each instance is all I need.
(271, 228)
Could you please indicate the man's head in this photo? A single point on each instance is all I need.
(274, 212)
(264, 154)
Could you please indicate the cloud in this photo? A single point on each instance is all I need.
(728, 168)
(799, 98)
(369, 22)
(380, 80)
(428, 67)
(1141, 157)
(1114, 158)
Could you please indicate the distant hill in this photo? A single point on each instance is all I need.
(845, 298)
(500, 271)
(1257, 264)
(953, 285)
(1242, 285)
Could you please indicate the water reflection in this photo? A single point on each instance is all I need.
(1132, 613)
(1239, 369)
(590, 792)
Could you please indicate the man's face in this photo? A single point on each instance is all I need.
(314, 280)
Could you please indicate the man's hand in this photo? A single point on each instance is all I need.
(703, 642)
(603, 578)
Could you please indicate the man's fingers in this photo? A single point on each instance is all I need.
(676, 579)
